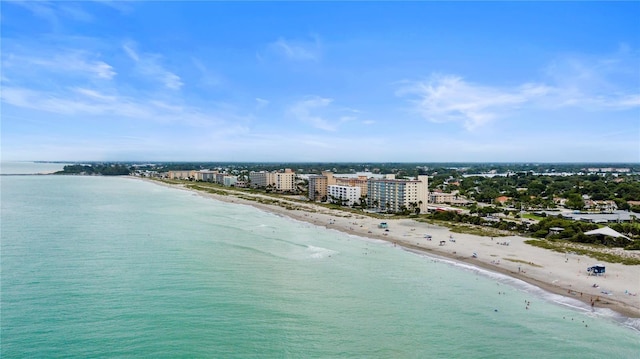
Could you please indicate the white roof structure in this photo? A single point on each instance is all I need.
(606, 231)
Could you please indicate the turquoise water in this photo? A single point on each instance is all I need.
(16, 167)
(117, 267)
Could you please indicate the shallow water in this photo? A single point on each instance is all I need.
(96, 266)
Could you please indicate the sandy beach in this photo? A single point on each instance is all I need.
(559, 273)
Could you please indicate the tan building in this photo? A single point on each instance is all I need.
(318, 186)
(206, 176)
(360, 182)
(285, 181)
(449, 198)
(441, 197)
(181, 175)
(281, 181)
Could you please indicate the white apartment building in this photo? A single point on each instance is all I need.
(346, 195)
(360, 181)
(229, 181)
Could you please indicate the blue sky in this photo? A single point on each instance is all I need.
(326, 81)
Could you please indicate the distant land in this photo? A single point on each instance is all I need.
(377, 167)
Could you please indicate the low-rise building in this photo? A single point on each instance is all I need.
(441, 197)
(602, 206)
(181, 175)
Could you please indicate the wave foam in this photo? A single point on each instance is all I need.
(319, 252)
(574, 304)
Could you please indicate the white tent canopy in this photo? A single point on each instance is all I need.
(606, 231)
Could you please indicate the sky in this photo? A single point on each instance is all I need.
(320, 81)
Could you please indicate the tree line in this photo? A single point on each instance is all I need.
(114, 169)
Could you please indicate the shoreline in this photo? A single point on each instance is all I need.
(553, 272)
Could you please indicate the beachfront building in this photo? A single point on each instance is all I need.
(441, 197)
(280, 181)
(285, 181)
(393, 195)
(452, 198)
(360, 181)
(318, 185)
(206, 176)
(260, 179)
(181, 175)
(229, 181)
(345, 195)
(219, 178)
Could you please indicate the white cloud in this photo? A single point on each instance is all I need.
(42, 9)
(149, 66)
(321, 113)
(55, 11)
(94, 94)
(121, 6)
(130, 52)
(572, 82)
(207, 77)
(261, 103)
(596, 83)
(308, 111)
(75, 13)
(82, 101)
(447, 98)
(66, 62)
(296, 50)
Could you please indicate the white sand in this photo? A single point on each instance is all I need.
(618, 289)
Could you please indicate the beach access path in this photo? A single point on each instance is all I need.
(559, 273)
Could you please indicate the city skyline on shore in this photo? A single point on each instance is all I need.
(332, 82)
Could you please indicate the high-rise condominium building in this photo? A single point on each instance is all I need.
(395, 195)
(318, 186)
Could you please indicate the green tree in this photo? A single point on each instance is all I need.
(574, 201)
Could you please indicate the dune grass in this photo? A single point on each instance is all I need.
(594, 252)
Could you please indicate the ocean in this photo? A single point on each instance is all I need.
(117, 267)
